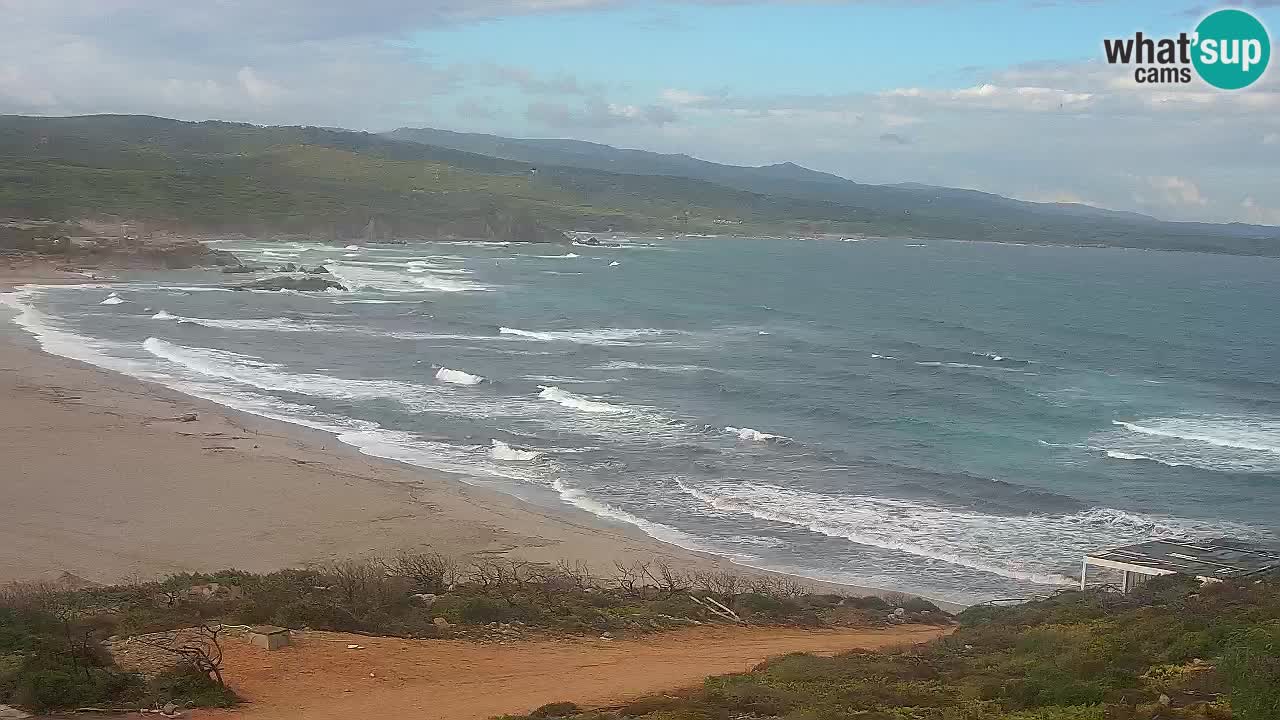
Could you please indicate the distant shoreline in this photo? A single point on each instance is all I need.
(109, 487)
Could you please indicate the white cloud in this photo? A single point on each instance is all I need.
(1177, 191)
(594, 112)
(257, 88)
(1256, 213)
(676, 96)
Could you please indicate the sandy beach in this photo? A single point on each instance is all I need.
(99, 479)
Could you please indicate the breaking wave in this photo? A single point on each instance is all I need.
(607, 336)
(503, 451)
(752, 435)
(364, 278)
(576, 402)
(458, 377)
(1030, 548)
(276, 324)
(1221, 443)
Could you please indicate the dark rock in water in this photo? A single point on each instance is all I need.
(317, 270)
(301, 283)
(287, 268)
(591, 241)
(234, 269)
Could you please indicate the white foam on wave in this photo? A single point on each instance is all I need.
(965, 366)
(629, 365)
(576, 402)
(503, 451)
(1260, 434)
(1031, 548)
(657, 530)
(1117, 455)
(249, 371)
(255, 372)
(113, 299)
(1222, 443)
(615, 263)
(603, 336)
(56, 340)
(276, 324)
(457, 377)
(364, 278)
(751, 434)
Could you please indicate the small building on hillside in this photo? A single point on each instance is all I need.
(1206, 560)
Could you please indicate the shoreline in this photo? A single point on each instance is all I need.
(256, 493)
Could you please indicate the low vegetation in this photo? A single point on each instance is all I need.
(52, 656)
(52, 642)
(1175, 650)
(217, 176)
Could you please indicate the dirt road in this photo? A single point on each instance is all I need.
(319, 678)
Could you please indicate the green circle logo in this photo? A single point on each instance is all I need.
(1232, 49)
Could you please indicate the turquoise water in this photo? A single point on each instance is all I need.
(961, 420)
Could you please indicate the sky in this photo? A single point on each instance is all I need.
(1005, 96)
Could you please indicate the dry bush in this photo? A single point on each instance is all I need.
(577, 576)
(368, 582)
(666, 580)
(630, 579)
(779, 586)
(721, 583)
(428, 572)
(201, 648)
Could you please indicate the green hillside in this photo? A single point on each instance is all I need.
(238, 177)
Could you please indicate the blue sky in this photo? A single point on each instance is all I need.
(797, 48)
(1010, 97)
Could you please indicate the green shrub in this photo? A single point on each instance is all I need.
(184, 685)
(481, 610)
(1252, 667)
(555, 710)
(66, 687)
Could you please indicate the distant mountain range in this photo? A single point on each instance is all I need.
(928, 203)
(428, 183)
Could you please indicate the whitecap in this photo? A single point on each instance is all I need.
(503, 451)
(363, 278)
(751, 434)
(457, 377)
(112, 299)
(1221, 443)
(603, 336)
(576, 402)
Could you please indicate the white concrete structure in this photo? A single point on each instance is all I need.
(1206, 560)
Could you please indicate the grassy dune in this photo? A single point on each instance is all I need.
(1174, 650)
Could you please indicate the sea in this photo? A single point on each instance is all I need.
(955, 419)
